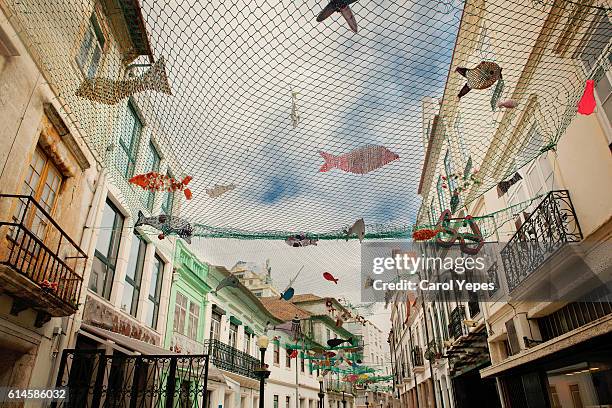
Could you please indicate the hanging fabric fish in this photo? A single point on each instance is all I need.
(337, 342)
(293, 353)
(328, 276)
(110, 91)
(231, 282)
(287, 294)
(504, 186)
(293, 328)
(168, 225)
(153, 181)
(359, 161)
(358, 228)
(342, 7)
(587, 103)
(508, 104)
(218, 190)
(483, 76)
(300, 240)
(424, 234)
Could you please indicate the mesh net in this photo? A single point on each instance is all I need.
(247, 93)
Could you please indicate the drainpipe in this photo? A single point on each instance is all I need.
(416, 385)
(433, 379)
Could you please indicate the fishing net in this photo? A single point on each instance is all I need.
(247, 93)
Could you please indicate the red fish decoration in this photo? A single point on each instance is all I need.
(159, 182)
(293, 354)
(328, 276)
(359, 161)
(587, 103)
(424, 234)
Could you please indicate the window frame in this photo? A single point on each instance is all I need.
(215, 326)
(131, 151)
(96, 32)
(114, 246)
(276, 352)
(155, 300)
(142, 249)
(180, 312)
(154, 163)
(193, 320)
(167, 205)
(441, 195)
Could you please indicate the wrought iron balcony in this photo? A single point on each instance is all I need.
(455, 325)
(38, 260)
(417, 356)
(547, 229)
(231, 359)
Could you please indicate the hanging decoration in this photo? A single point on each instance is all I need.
(504, 186)
(168, 225)
(329, 277)
(292, 353)
(228, 282)
(342, 7)
(359, 161)
(295, 114)
(48, 286)
(293, 328)
(446, 230)
(424, 234)
(461, 182)
(219, 190)
(288, 293)
(587, 103)
(337, 342)
(483, 76)
(358, 228)
(110, 91)
(154, 181)
(508, 104)
(300, 240)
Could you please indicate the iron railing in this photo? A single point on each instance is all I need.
(231, 359)
(417, 356)
(455, 325)
(94, 380)
(38, 248)
(547, 229)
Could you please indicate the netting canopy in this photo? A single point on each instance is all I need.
(255, 97)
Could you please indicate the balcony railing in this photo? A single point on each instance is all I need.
(231, 359)
(549, 227)
(417, 356)
(34, 246)
(455, 325)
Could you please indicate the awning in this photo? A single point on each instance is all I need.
(218, 310)
(248, 330)
(235, 320)
(144, 348)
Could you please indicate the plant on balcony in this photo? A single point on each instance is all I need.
(433, 351)
(48, 287)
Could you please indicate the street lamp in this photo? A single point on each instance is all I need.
(343, 400)
(262, 372)
(366, 394)
(321, 394)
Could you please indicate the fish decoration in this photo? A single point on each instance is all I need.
(424, 234)
(293, 328)
(287, 294)
(293, 353)
(508, 104)
(357, 228)
(504, 186)
(300, 240)
(587, 103)
(360, 161)
(110, 92)
(154, 181)
(337, 342)
(295, 115)
(342, 7)
(168, 225)
(483, 76)
(219, 190)
(328, 276)
(229, 282)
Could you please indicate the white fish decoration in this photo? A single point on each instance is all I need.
(219, 190)
(507, 103)
(295, 114)
(357, 228)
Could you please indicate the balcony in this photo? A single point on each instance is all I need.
(38, 260)
(179, 343)
(548, 228)
(338, 386)
(231, 359)
(455, 326)
(417, 357)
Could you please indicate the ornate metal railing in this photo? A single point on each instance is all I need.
(455, 325)
(547, 229)
(231, 359)
(38, 248)
(95, 380)
(417, 356)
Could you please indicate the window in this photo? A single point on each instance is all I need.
(233, 335)
(287, 402)
(42, 182)
(154, 292)
(180, 311)
(302, 365)
(129, 135)
(133, 275)
(288, 358)
(194, 318)
(276, 401)
(107, 248)
(90, 51)
(328, 334)
(168, 200)
(215, 326)
(153, 165)
(441, 195)
(276, 352)
(247, 343)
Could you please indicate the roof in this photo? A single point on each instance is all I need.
(306, 297)
(282, 309)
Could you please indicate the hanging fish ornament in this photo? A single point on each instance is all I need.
(287, 294)
(231, 282)
(508, 104)
(424, 234)
(587, 103)
(483, 76)
(168, 225)
(342, 7)
(357, 228)
(504, 186)
(337, 342)
(219, 190)
(293, 353)
(300, 240)
(328, 276)
(359, 161)
(110, 91)
(154, 181)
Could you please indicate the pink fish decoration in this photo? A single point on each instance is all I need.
(359, 161)
(328, 276)
(508, 103)
(587, 103)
